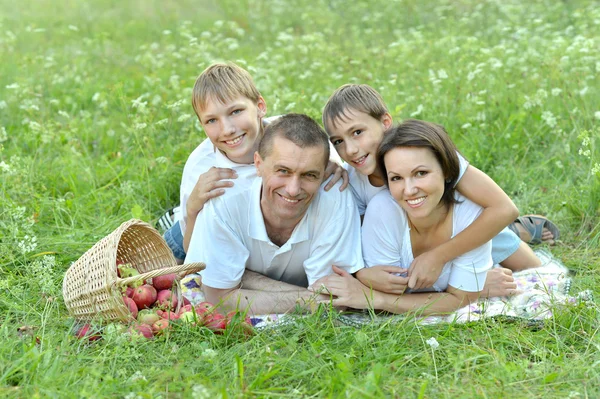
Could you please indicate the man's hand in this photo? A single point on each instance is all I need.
(338, 173)
(499, 282)
(424, 270)
(389, 279)
(347, 290)
(209, 185)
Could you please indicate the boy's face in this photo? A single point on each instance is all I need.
(357, 138)
(234, 127)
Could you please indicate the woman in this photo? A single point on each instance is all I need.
(421, 211)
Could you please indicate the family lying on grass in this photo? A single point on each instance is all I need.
(264, 205)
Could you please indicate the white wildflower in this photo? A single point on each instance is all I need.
(175, 105)
(73, 28)
(200, 392)
(3, 104)
(6, 168)
(13, 86)
(4, 135)
(28, 244)
(549, 118)
(139, 126)
(96, 97)
(138, 103)
(433, 343)
(137, 376)
(442, 74)
(466, 126)
(596, 169)
(63, 113)
(418, 111)
(290, 107)
(161, 160)
(161, 122)
(210, 353)
(583, 91)
(184, 117)
(556, 91)
(166, 32)
(596, 115)
(36, 127)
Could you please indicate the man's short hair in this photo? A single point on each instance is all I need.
(223, 82)
(299, 129)
(353, 97)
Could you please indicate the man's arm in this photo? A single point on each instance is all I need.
(257, 301)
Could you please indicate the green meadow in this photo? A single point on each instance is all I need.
(96, 124)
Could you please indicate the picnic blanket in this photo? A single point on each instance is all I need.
(541, 290)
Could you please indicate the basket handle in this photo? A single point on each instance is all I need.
(188, 267)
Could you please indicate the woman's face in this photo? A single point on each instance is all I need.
(416, 180)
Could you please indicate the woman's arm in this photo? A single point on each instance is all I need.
(498, 212)
(348, 291)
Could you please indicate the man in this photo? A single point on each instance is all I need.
(281, 234)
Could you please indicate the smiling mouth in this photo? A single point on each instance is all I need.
(360, 161)
(235, 141)
(289, 200)
(416, 201)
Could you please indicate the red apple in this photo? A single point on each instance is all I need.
(148, 316)
(141, 329)
(185, 308)
(86, 331)
(159, 326)
(206, 305)
(215, 322)
(144, 296)
(164, 282)
(169, 315)
(130, 303)
(190, 318)
(166, 300)
(129, 292)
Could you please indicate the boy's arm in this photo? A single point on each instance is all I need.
(498, 212)
(209, 185)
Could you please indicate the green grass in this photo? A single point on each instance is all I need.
(516, 86)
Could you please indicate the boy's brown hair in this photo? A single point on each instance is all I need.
(352, 97)
(223, 82)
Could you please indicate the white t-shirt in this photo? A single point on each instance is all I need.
(386, 241)
(364, 191)
(230, 236)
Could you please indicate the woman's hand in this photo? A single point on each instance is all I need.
(424, 270)
(338, 173)
(209, 185)
(347, 290)
(388, 279)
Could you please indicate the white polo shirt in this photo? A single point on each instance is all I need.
(230, 236)
(364, 191)
(386, 241)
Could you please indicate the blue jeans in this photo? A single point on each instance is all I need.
(174, 240)
(504, 245)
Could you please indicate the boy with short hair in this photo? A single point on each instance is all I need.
(356, 117)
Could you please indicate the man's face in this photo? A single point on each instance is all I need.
(357, 138)
(291, 178)
(234, 127)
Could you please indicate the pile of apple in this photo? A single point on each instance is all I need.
(153, 307)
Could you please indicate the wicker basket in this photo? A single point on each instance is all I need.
(91, 287)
